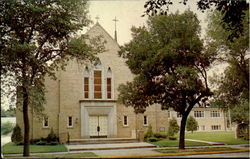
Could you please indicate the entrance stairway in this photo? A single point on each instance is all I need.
(101, 141)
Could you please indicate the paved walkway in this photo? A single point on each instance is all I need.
(208, 142)
(109, 146)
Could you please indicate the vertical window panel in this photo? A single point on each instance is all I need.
(109, 88)
(86, 87)
(97, 84)
(70, 121)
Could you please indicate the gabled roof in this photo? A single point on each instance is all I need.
(97, 26)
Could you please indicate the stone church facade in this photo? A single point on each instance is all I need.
(82, 102)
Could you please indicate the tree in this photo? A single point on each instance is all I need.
(192, 124)
(173, 127)
(169, 63)
(37, 38)
(232, 86)
(16, 136)
(233, 12)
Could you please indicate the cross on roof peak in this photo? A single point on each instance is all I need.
(97, 18)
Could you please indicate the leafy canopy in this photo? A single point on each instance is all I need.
(168, 60)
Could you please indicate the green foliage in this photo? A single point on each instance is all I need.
(38, 38)
(170, 65)
(192, 124)
(234, 12)
(173, 127)
(6, 128)
(149, 133)
(233, 85)
(52, 136)
(159, 135)
(16, 136)
(8, 113)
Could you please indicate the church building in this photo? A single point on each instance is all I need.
(82, 101)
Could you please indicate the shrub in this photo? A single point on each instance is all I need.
(149, 133)
(54, 143)
(173, 127)
(6, 128)
(41, 142)
(52, 136)
(192, 124)
(172, 138)
(153, 139)
(16, 136)
(159, 135)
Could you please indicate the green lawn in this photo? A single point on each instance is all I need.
(207, 149)
(175, 143)
(11, 148)
(227, 137)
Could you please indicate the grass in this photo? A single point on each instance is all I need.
(227, 137)
(66, 155)
(12, 148)
(206, 149)
(175, 143)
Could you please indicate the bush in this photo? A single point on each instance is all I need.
(149, 133)
(54, 143)
(152, 139)
(16, 136)
(173, 127)
(172, 138)
(6, 128)
(192, 124)
(159, 135)
(52, 136)
(41, 142)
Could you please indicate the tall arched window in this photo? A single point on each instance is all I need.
(109, 84)
(86, 82)
(98, 82)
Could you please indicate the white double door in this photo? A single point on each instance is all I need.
(98, 126)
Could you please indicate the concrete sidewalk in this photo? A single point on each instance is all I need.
(208, 142)
(112, 146)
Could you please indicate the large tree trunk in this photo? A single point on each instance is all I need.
(182, 131)
(26, 122)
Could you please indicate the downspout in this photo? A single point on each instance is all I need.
(59, 106)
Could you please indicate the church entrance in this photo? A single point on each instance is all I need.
(98, 126)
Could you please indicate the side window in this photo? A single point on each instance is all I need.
(109, 84)
(145, 120)
(125, 120)
(86, 83)
(70, 121)
(45, 122)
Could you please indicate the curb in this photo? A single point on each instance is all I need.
(171, 154)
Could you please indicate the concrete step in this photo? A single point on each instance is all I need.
(109, 146)
(101, 141)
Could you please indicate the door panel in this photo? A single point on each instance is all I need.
(93, 123)
(98, 126)
(103, 123)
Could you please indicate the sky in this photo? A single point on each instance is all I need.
(129, 13)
